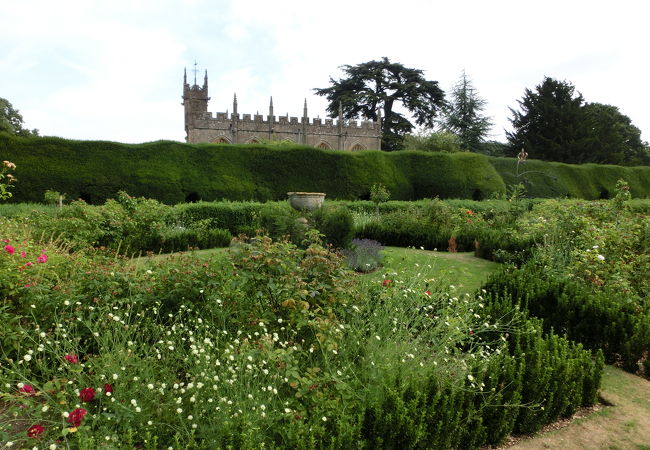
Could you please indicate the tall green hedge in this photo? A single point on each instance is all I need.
(174, 172)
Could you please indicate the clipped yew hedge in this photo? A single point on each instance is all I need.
(174, 172)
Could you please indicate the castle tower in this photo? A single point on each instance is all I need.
(195, 100)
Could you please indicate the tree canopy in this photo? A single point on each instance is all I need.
(550, 124)
(374, 86)
(556, 124)
(11, 121)
(463, 116)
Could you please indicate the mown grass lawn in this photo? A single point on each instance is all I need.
(463, 271)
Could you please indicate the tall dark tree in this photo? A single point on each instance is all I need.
(551, 123)
(463, 115)
(11, 121)
(612, 139)
(381, 86)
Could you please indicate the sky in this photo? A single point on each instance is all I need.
(113, 69)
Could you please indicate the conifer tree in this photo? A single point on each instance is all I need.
(463, 115)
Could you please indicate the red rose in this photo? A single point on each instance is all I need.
(386, 282)
(87, 394)
(108, 388)
(76, 416)
(72, 359)
(27, 389)
(35, 431)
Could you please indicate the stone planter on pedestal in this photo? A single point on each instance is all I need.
(306, 201)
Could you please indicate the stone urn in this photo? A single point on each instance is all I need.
(306, 201)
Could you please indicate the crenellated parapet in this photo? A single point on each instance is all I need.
(203, 126)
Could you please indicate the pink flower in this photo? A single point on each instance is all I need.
(27, 389)
(6, 241)
(35, 431)
(76, 416)
(23, 254)
(108, 388)
(42, 258)
(27, 285)
(427, 292)
(72, 359)
(87, 394)
(29, 263)
(9, 249)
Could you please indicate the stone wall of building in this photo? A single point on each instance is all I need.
(203, 126)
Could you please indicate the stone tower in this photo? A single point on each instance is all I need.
(224, 128)
(195, 100)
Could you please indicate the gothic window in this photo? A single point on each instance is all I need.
(357, 147)
(253, 141)
(221, 140)
(324, 145)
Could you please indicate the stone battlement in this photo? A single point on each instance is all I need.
(282, 120)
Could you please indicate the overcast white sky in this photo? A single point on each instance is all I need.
(112, 69)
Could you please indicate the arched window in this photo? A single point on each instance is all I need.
(324, 145)
(253, 141)
(221, 140)
(357, 147)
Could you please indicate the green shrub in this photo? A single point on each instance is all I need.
(598, 320)
(336, 224)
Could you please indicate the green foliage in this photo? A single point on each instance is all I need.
(336, 224)
(379, 194)
(6, 179)
(433, 141)
(53, 197)
(463, 115)
(612, 139)
(620, 328)
(554, 124)
(587, 181)
(383, 85)
(248, 172)
(11, 121)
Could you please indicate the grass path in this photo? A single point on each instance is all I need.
(464, 271)
(624, 424)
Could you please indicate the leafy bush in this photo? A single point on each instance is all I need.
(336, 224)
(599, 320)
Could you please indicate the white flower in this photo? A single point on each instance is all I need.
(137, 409)
(601, 257)
(179, 410)
(45, 408)
(150, 386)
(324, 419)
(27, 357)
(470, 377)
